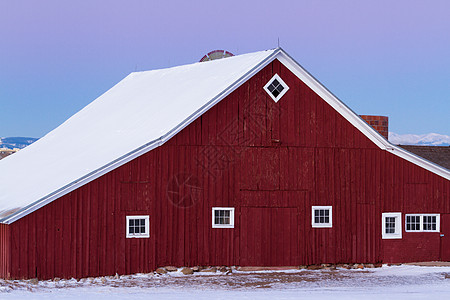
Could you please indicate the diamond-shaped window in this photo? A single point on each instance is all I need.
(276, 88)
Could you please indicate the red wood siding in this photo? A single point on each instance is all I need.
(410, 189)
(271, 161)
(5, 255)
(261, 226)
(445, 238)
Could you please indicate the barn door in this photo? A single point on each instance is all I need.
(269, 236)
(445, 237)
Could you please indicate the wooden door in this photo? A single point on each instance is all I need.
(269, 236)
(445, 237)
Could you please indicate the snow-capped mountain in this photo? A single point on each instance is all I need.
(16, 142)
(430, 139)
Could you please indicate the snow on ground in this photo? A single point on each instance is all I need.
(394, 282)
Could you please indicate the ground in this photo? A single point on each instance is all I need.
(388, 282)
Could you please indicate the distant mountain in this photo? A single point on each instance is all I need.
(430, 139)
(16, 142)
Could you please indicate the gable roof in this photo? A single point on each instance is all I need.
(140, 113)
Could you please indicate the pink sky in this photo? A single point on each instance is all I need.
(379, 57)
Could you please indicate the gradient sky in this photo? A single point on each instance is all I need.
(379, 57)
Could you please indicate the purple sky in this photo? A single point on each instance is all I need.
(379, 57)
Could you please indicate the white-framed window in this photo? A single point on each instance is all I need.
(322, 216)
(412, 223)
(138, 226)
(391, 225)
(422, 222)
(223, 217)
(431, 222)
(276, 88)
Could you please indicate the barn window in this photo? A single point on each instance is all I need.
(276, 88)
(412, 223)
(430, 223)
(422, 222)
(390, 225)
(223, 217)
(322, 216)
(138, 227)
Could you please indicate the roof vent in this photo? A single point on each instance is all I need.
(216, 54)
(276, 88)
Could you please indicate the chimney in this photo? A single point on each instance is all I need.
(379, 123)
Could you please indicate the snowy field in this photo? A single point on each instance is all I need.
(394, 282)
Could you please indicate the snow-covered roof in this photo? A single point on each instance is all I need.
(138, 114)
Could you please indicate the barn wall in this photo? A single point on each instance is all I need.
(409, 189)
(5, 256)
(271, 161)
(82, 234)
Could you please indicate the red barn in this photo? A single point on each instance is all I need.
(246, 160)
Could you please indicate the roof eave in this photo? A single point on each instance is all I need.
(295, 68)
(139, 151)
(355, 119)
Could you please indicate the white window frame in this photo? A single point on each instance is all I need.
(285, 87)
(138, 235)
(420, 223)
(231, 225)
(322, 225)
(398, 227)
(421, 229)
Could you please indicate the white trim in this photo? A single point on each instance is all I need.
(355, 119)
(295, 68)
(419, 161)
(139, 151)
(331, 99)
(406, 222)
(138, 235)
(283, 84)
(398, 227)
(231, 210)
(438, 222)
(322, 225)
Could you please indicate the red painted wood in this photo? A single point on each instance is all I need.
(271, 161)
(5, 254)
(445, 238)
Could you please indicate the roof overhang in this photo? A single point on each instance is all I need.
(295, 68)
